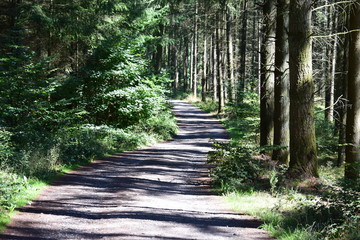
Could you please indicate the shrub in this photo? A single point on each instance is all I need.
(6, 150)
(11, 187)
(235, 167)
(130, 105)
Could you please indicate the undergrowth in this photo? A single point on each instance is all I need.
(324, 208)
(24, 173)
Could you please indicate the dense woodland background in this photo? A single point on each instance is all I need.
(81, 79)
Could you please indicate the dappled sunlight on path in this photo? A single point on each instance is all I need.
(158, 192)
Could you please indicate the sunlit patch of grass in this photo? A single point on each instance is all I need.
(330, 174)
(192, 99)
(278, 214)
(253, 203)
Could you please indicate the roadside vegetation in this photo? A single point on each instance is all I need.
(76, 85)
(35, 160)
(314, 208)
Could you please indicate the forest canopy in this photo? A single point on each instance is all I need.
(72, 70)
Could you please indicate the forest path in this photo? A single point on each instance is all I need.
(158, 192)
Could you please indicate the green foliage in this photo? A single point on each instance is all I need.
(11, 188)
(326, 139)
(25, 89)
(208, 106)
(243, 120)
(6, 150)
(130, 105)
(236, 169)
(74, 145)
(328, 212)
(75, 85)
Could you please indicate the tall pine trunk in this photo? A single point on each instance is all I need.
(330, 70)
(205, 60)
(195, 61)
(219, 56)
(214, 65)
(303, 154)
(282, 85)
(185, 63)
(341, 89)
(243, 51)
(352, 166)
(230, 57)
(267, 74)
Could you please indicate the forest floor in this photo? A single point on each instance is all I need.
(157, 192)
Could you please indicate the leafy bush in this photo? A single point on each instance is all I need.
(73, 145)
(130, 105)
(337, 212)
(11, 187)
(6, 150)
(25, 89)
(235, 167)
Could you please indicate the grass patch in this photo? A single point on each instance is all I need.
(16, 191)
(276, 213)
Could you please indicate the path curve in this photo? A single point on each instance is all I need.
(158, 192)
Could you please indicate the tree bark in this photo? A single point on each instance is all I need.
(205, 61)
(243, 52)
(219, 57)
(303, 154)
(195, 61)
(185, 64)
(341, 90)
(267, 74)
(352, 166)
(192, 64)
(330, 70)
(230, 57)
(282, 84)
(255, 50)
(159, 51)
(214, 66)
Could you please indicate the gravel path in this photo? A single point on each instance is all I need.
(158, 192)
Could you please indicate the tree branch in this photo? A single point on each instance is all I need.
(331, 4)
(335, 103)
(336, 34)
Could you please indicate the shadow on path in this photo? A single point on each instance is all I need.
(158, 192)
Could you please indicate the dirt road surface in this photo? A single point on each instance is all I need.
(158, 192)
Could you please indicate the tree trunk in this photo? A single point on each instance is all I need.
(192, 64)
(205, 60)
(342, 110)
(333, 72)
(230, 57)
(282, 84)
(322, 81)
(243, 52)
(352, 166)
(176, 68)
(214, 66)
(330, 70)
(159, 52)
(195, 51)
(303, 155)
(267, 74)
(219, 66)
(254, 55)
(341, 90)
(185, 63)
